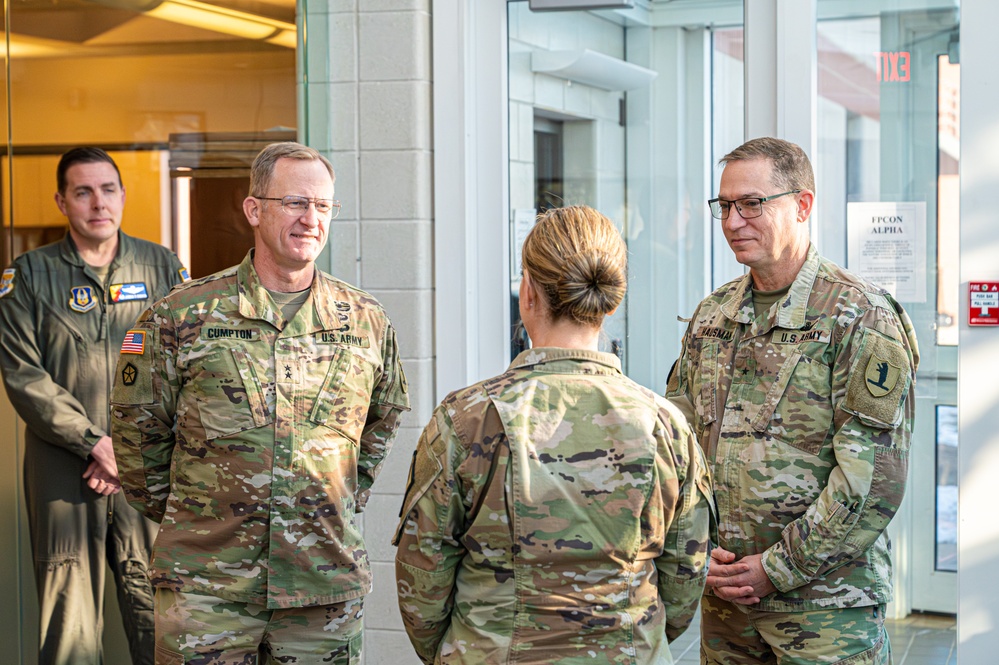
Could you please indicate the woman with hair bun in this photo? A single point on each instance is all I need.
(556, 513)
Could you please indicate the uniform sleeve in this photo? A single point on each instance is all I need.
(682, 568)
(429, 549)
(389, 400)
(873, 384)
(48, 409)
(143, 404)
(677, 384)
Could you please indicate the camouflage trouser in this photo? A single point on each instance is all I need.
(75, 536)
(736, 635)
(205, 630)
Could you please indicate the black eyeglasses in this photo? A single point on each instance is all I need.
(297, 206)
(748, 207)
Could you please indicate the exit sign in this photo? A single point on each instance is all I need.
(893, 65)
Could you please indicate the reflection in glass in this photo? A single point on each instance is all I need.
(946, 512)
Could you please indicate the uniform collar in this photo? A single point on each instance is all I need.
(255, 302)
(790, 311)
(71, 255)
(545, 355)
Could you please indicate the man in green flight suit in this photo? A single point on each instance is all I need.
(64, 310)
(253, 409)
(798, 379)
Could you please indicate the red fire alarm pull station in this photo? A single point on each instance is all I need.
(984, 304)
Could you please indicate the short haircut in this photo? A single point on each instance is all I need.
(83, 155)
(791, 167)
(579, 262)
(264, 163)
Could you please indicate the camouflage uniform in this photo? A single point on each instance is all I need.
(60, 331)
(805, 415)
(555, 513)
(255, 440)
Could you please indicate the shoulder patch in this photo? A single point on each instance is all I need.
(879, 381)
(134, 342)
(184, 274)
(7, 281)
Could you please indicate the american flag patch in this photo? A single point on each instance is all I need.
(135, 342)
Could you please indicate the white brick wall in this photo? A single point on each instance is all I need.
(369, 108)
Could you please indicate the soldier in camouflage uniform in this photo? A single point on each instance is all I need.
(557, 513)
(252, 412)
(798, 380)
(64, 309)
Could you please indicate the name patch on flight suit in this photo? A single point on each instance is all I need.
(334, 337)
(7, 281)
(81, 299)
(184, 274)
(800, 336)
(219, 332)
(712, 331)
(130, 291)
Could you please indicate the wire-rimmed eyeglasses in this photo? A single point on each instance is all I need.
(299, 205)
(748, 207)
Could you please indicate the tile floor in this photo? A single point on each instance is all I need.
(919, 639)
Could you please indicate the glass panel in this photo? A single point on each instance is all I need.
(728, 119)
(567, 139)
(946, 509)
(887, 179)
(948, 199)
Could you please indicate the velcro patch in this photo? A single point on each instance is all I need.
(343, 339)
(134, 342)
(127, 292)
(879, 381)
(222, 332)
(7, 281)
(800, 336)
(715, 332)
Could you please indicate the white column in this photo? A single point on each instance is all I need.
(471, 191)
(780, 60)
(978, 351)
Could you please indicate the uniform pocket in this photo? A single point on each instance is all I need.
(342, 402)
(797, 409)
(229, 395)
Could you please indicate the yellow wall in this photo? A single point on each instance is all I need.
(35, 185)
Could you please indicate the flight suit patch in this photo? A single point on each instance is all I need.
(81, 299)
(127, 292)
(184, 274)
(7, 281)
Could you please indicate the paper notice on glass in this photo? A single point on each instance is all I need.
(887, 246)
(523, 222)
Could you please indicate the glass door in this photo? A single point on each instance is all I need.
(889, 99)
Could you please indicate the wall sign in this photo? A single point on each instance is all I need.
(983, 300)
(887, 245)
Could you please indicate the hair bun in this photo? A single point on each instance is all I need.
(590, 287)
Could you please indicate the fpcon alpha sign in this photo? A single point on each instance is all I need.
(983, 300)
